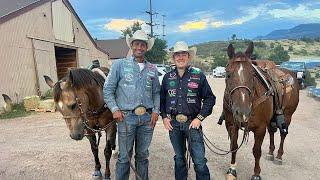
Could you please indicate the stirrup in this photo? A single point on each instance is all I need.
(281, 124)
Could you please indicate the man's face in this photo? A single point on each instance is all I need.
(139, 48)
(181, 59)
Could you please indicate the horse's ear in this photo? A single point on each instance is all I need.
(249, 50)
(48, 81)
(7, 99)
(71, 76)
(230, 51)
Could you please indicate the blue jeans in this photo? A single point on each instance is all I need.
(178, 136)
(134, 130)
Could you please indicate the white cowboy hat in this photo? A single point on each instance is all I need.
(142, 36)
(182, 46)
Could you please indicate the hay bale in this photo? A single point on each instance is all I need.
(31, 102)
(47, 105)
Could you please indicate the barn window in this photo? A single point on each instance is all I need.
(62, 22)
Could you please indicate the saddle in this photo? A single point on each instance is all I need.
(280, 81)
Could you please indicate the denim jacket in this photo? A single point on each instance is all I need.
(127, 88)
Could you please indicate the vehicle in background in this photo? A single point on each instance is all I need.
(162, 70)
(219, 72)
(299, 68)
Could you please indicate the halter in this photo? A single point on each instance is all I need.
(94, 114)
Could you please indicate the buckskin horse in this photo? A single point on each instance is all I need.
(79, 98)
(249, 104)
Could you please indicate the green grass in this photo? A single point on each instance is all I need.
(17, 111)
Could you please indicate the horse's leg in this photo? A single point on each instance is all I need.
(278, 159)
(258, 139)
(94, 148)
(110, 137)
(232, 171)
(270, 155)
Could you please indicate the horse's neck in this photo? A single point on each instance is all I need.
(259, 88)
(95, 97)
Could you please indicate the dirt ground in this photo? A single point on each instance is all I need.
(39, 147)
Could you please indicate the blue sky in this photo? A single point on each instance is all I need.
(196, 21)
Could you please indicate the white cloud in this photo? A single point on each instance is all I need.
(301, 12)
(193, 25)
(121, 24)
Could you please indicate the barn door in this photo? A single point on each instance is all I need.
(45, 63)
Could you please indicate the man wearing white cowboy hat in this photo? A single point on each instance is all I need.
(183, 91)
(132, 93)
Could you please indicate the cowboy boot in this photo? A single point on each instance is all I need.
(221, 118)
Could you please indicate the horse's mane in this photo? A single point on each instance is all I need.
(78, 79)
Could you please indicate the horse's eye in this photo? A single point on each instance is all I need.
(73, 106)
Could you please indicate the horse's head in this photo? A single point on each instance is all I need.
(74, 95)
(239, 83)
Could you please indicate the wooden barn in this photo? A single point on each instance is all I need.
(41, 37)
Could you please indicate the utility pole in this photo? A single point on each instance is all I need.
(151, 18)
(163, 25)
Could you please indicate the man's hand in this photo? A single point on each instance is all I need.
(154, 119)
(118, 116)
(195, 124)
(167, 124)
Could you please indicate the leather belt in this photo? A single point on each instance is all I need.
(139, 111)
(181, 118)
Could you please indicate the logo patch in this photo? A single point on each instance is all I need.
(173, 74)
(172, 92)
(191, 101)
(193, 85)
(195, 76)
(173, 102)
(172, 83)
(128, 77)
(191, 94)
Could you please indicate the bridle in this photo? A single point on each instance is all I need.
(250, 90)
(95, 114)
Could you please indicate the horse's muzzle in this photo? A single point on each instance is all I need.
(241, 115)
(77, 136)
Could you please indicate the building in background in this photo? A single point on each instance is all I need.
(41, 37)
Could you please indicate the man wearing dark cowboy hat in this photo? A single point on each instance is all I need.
(132, 93)
(186, 100)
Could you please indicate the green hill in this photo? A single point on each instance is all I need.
(212, 51)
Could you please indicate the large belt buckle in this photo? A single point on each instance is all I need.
(139, 111)
(181, 118)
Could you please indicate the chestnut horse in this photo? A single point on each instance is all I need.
(79, 98)
(249, 104)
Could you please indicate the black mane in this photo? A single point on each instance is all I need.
(79, 79)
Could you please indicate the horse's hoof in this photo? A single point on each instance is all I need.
(270, 157)
(230, 177)
(96, 175)
(277, 161)
(255, 177)
(115, 154)
(231, 174)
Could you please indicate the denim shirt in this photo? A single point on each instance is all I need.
(127, 87)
